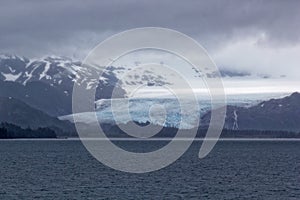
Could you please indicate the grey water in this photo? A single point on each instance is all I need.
(63, 169)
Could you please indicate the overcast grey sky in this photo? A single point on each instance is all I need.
(260, 35)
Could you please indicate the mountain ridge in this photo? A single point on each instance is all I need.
(274, 114)
(19, 113)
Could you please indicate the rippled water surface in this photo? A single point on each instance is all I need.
(63, 169)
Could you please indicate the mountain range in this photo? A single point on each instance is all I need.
(47, 83)
(35, 92)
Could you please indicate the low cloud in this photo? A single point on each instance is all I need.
(262, 36)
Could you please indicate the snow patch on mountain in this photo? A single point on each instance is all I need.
(11, 77)
(235, 123)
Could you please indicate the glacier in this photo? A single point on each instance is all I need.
(159, 111)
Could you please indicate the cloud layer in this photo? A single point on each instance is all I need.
(260, 35)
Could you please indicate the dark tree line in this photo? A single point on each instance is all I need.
(114, 131)
(8, 131)
(226, 133)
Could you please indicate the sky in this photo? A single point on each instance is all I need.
(258, 36)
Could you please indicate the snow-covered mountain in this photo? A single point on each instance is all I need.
(62, 72)
(46, 83)
(55, 71)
